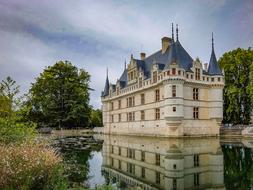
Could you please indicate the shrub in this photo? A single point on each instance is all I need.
(30, 166)
(12, 131)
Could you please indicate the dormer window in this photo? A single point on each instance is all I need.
(154, 76)
(197, 74)
(173, 71)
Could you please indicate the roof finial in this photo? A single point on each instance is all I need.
(177, 32)
(172, 28)
(132, 56)
(212, 42)
(107, 72)
(125, 64)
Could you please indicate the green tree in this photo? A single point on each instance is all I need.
(8, 97)
(238, 100)
(60, 97)
(96, 118)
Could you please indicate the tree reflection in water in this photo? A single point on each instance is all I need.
(238, 167)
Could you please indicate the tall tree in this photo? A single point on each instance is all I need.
(238, 100)
(8, 96)
(60, 97)
(96, 118)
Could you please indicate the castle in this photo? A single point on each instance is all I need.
(165, 94)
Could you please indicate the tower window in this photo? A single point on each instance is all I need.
(157, 159)
(174, 90)
(142, 156)
(173, 71)
(174, 109)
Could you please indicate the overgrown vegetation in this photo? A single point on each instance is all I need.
(238, 91)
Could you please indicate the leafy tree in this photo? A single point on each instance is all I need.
(8, 97)
(238, 91)
(96, 118)
(60, 97)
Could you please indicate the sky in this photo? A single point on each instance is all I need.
(94, 34)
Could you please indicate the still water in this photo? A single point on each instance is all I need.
(158, 163)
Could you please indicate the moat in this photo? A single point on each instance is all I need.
(128, 162)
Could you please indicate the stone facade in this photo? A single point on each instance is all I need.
(166, 97)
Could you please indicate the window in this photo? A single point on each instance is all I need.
(119, 104)
(120, 164)
(173, 71)
(142, 99)
(187, 76)
(154, 76)
(207, 78)
(112, 162)
(119, 117)
(130, 168)
(131, 116)
(195, 93)
(112, 150)
(131, 153)
(174, 109)
(218, 79)
(168, 73)
(142, 156)
(120, 151)
(197, 74)
(142, 115)
(196, 179)
(157, 159)
(157, 178)
(174, 90)
(157, 95)
(195, 112)
(174, 166)
(157, 113)
(130, 102)
(174, 185)
(179, 72)
(143, 172)
(212, 79)
(112, 118)
(196, 160)
(111, 105)
(203, 78)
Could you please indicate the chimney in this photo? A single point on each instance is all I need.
(166, 42)
(205, 66)
(143, 55)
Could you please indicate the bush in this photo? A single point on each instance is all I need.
(12, 131)
(30, 166)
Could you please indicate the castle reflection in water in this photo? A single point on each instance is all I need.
(162, 163)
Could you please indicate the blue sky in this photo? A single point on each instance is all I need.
(97, 34)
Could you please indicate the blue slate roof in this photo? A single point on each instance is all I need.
(213, 67)
(175, 53)
(106, 89)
